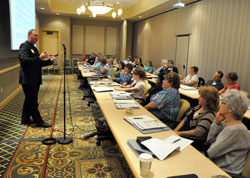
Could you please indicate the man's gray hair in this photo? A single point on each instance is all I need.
(237, 101)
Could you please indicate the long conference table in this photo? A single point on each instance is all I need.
(188, 161)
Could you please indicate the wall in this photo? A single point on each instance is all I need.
(220, 37)
(61, 23)
(89, 36)
(8, 58)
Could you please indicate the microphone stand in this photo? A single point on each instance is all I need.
(64, 140)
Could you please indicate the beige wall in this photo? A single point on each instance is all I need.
(61, 23)
(220, 37)
(89, 36)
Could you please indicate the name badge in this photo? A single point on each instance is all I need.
(32, 51)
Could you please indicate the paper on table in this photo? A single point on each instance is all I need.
(102, 89)
(183, 143)
(91, 73)
(127, 105)
(134, 119)
(193, 92)
(185, 87)
(160, 149)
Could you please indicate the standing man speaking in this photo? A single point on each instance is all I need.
(31, 63)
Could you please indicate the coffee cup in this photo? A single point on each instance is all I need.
(145, 163)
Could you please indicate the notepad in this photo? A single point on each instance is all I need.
(127, 105)
(121, 95)
(145, 122)
(162, 148)
(102, 89)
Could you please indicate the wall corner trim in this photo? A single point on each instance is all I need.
(10, 97)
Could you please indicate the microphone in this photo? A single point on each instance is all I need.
(64, 45)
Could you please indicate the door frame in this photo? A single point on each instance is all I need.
(59, 42)
(183, 35)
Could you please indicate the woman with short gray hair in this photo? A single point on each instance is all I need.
(229, 137)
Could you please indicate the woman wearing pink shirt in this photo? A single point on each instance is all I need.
(231, 78)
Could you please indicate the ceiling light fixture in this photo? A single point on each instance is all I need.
(42, 8)
(99, 7)
(113, 14)
(179, 4)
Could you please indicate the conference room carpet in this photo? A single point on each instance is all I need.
(23, 155)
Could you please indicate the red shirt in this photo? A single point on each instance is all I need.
(235, 86)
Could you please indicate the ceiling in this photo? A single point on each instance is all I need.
(132, 9)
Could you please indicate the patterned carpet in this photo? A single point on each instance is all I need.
(80, 159)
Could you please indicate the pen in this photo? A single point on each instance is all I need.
(138, 118)
(176, 140)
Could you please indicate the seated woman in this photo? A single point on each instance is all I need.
(138, 62)
(199, 125)
(149, 67)
(96, 66)
(165, 105)
(119, 71)
(231, 78)
(156, 88)
(137, 87)
(230, 140)
(126, 77)
(192, 78)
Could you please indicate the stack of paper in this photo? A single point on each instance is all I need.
(98, 83)
(185, 87)
(121, 95)
(145, 122)
(162, 148)
(126, 105)
(102, 89)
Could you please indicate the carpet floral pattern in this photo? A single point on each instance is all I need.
(80, 159)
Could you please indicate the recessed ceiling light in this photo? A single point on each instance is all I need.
(90, 16)
(118, 3)
(42, 8)
(122, 18)
(139, 17)
(57, 13)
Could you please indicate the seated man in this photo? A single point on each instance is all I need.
(192, 78)
(91, 59)
(216, 82)
(165, 104)
(170, 67)
(164, 64)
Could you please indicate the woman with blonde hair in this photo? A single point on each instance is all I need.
(199, 124)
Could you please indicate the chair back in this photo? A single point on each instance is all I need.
(246, 169)
(201, 82)
(74, 61)
(147, 88)
(180, 76)
(184, 107)
(246, 92)
(67, 62)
